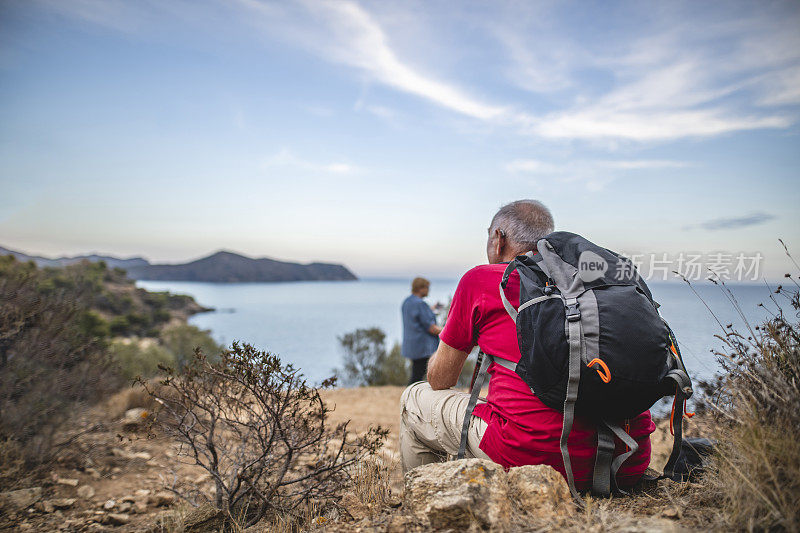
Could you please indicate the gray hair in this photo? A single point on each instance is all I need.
(524, 222)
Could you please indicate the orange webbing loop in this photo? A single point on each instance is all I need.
(627, 428)
(605, 377)
(672, 415)
(686, 413)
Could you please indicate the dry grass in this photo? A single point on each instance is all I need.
(128, 398)
(756, 472)
(758, 465)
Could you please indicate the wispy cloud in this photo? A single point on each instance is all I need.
(357, 40)
(592, 174)
(287, 159)
(745, 221)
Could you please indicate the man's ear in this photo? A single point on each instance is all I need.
(500, 243)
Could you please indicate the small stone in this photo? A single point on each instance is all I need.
(86, 492)
(141, 493)
(110, 504)
(63, 503)
(124, 507)
(117, 519)
(14, 500)
(140, 507)
(45, 506)
(128, 498)
(93, 472)
(134, 418)
(673, 513)
(162, 499)
(67, 481)
(116, 470)
(394, 502)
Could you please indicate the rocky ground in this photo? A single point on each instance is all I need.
(115, 478)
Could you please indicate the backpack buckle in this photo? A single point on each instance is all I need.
(573, 314)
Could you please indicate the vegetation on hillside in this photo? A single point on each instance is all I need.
(52, 357)
(69, 336)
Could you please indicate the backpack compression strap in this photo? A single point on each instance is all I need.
(683, 391)
(575, 339)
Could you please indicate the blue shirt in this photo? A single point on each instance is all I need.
(418, 342)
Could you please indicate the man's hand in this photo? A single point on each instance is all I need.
(445, 366)
(435, 330)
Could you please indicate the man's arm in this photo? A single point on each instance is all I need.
(445, 366)
(434, 329)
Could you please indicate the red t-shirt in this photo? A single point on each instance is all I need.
(521, 430)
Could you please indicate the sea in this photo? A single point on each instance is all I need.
(302, 321)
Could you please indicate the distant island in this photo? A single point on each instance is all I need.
(220, 267)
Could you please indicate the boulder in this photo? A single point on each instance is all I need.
(539, 490)
(480, 494)
(15, 500)
(459, 495)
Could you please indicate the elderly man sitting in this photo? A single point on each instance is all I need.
(512, 427)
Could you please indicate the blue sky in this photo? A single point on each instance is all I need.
(384, 135)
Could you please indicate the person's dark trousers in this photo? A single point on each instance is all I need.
(419, 369)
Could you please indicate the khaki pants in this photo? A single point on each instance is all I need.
(430, 426)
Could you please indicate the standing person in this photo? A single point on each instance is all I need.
(420, 331)
(513, 427)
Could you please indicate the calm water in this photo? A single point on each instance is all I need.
(301, 321)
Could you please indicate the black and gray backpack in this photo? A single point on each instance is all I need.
(593, 344)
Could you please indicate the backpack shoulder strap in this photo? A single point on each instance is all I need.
(481, 365)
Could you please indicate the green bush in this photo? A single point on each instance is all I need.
(182, 340)
(139, 358)
(366, 361)
(119, 326)
(393, 368)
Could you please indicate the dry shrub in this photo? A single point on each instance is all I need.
(756, 406)
(261, 433)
